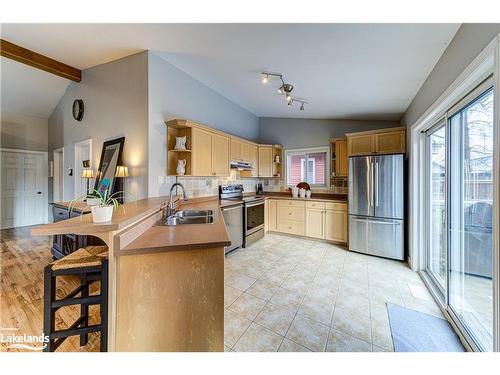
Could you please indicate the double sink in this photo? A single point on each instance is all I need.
(189, 217)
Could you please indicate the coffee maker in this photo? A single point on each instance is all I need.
(259, 189)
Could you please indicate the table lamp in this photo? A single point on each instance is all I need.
(88, 174)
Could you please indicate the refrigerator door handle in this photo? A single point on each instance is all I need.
(372, 185)
(376, 184)
(376, 221)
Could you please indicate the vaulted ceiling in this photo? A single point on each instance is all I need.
(356, 71)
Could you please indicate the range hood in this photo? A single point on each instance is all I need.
(241, 165)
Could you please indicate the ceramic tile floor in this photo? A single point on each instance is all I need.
(292, 294)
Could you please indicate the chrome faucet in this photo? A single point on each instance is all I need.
(170, 206)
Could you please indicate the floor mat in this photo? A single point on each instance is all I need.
(414, 331)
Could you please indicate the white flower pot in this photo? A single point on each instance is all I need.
(101, 214)
(93, 201)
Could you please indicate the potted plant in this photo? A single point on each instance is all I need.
(103, 205)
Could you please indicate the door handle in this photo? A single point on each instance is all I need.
(376, 184)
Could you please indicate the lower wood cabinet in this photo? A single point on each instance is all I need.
(314, 223)
(335, 225)
(323, 220)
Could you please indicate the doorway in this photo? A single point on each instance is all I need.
(58, 175)
(83, 152)
(459, 213)
(24, 188)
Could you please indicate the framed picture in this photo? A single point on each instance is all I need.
(111, 156)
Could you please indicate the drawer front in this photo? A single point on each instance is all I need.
(336, 206)
(291, 203)
(60, 214)
(292, 227)
(291, 213)
(317, 205)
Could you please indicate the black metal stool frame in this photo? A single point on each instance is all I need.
(81, 325)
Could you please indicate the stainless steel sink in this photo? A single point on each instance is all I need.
(179, 220)
(192, 213)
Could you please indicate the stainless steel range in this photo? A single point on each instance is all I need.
(253, 212)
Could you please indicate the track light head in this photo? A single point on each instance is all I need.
(281, 90)
(288, 98)
(302, 107)
(289, 103)
(265, 78)
(287, 88)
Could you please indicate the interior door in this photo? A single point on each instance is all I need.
(388, 186)
(22, 189)
(360, 186)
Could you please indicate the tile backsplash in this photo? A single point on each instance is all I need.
(209, 186)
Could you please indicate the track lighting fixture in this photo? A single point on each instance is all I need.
(285, 88)
(265, 78)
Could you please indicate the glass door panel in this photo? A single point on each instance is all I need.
(436, 209)
(470, 294)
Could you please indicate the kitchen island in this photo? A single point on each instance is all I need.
(167, 293)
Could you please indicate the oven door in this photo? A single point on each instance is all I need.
(254, 217)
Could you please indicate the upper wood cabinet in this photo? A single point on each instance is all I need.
(235, 149)
(209, 151)
(339, 157)
(220, 155)
(384, 141)
(202, 153)
(206, 154)
(265, 161)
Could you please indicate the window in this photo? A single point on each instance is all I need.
(307, 165)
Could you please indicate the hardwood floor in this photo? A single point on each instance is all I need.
(22, 259)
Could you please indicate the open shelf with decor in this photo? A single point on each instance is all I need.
(177, 129)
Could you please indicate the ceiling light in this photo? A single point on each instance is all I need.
(285, 88)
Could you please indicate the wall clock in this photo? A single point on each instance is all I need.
(78, 109)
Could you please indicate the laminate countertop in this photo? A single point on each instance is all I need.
(160, 238)
(317, 197)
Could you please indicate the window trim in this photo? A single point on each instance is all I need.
(309, 150)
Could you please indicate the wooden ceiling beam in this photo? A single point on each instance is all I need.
(36, 60)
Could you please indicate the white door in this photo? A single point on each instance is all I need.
(22, 189)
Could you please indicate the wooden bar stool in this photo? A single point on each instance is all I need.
(90, 264)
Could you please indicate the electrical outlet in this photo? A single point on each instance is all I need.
(161, 180)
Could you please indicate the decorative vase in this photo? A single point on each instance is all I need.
(302, 193)
(180, 143)
(295, 191)
(308, 193)
(181, 167)
(101, 214)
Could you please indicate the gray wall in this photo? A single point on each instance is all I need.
(115, 97)
(23, 132)
(469, 40)
(295, 133)
(174, 94)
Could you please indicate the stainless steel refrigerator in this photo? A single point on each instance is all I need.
(376, 205)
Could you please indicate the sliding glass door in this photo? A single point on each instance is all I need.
(471, 205)
(459, 190)
(436, 204)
